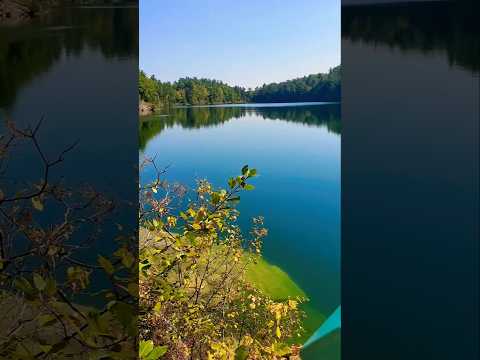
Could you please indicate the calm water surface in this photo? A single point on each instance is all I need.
(296, 150)
(410, 181)
(71, 67)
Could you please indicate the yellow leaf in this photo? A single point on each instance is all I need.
(196, 226)
(278, 333)
(106, 264)
(37, 203)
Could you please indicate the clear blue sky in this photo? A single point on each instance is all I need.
(241, 42)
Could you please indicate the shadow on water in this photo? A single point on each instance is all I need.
(201, 117)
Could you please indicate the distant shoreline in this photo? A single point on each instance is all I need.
(146, 109)
(262, 104)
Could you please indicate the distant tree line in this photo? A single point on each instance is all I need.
(316, 87)
(189, 91)
(193, 91)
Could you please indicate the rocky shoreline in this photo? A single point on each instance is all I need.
(145, 108)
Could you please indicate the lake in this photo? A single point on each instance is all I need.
(296, 150)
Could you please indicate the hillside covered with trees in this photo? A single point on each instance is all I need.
(193, 91)
(189, 91)
(316, 87)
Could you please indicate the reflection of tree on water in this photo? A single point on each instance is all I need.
(27, 51)
(200, 117)
(325, 115)
(426, 27)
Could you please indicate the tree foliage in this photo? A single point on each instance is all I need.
(194, 299)
(193, 91)
(317, 87)
(44, 226)
(189, 91)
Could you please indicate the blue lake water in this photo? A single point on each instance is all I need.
(296, 150)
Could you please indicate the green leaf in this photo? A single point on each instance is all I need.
(281, 349)
(231, 182)
(157, 224)
(51, 287)
(125, 314)
(145, 348)
(46, 320)
(241, 353)
(45, 348)
(249, 187)
(157, 353)
(144, 265)
(133, 289)
(157, 307)
(24, 285)
(244, 169)
(215, 198)
(106, 264)
(40, 284)
(252, 172)
(127, 258)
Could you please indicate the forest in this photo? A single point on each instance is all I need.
(189, 91)
(193, 91)
(316, 87)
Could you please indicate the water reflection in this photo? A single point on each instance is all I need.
(427, 27)
(410, 186)
(296, 149)
(78, 69)
(31, 50)
(327, 116)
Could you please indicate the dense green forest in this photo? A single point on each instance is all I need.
(193, 91)
(190, 91)
(317, 87)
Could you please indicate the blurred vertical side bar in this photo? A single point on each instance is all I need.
(410, 180)
(68, 178)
